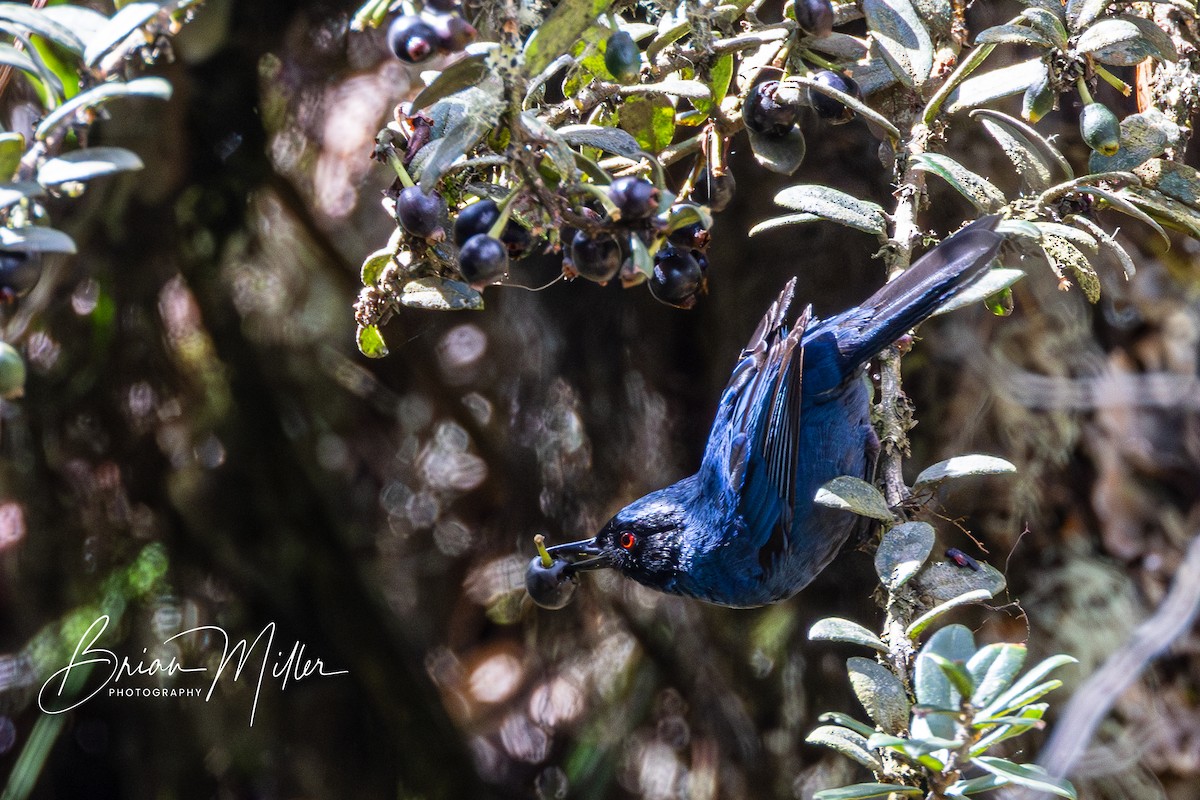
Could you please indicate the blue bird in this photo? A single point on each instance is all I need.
(744, 530)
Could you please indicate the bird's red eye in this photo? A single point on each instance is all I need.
(628, 540)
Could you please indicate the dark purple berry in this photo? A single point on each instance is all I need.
(714, 191)
(826, 107)
(636, 198)
(482, 259)
(764, 113)
(453, 32)
(815, 17)
(553, 586)
(419, 213)
(597, 259)
(19, 272)
(701, 259)
(441, 6)
(677, 278)
(412, 39)
(622, 58)
(690, 237)
(480, 217)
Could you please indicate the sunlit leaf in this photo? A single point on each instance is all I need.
(835, 206)
(849, 743)
(866, 791)
(982, 193)
(117, 29)
(1027, 775)
(835, 629)
(1125, 41)
(11, 193)
(462, 74)
(560, 30)
(99, 95)
(929, 617)
(963, 466)
(611, 140)
(880, 692)
(34, 21)
(1064, 255)
(436, 294)
(650, 119)
(1108, 244)
(902, 552)
(86, 164)
(982, 89)
(370, 342)
(1013, 34)
(35, 239)
(854, 494)
(902, 38)
(782, 222)
(992, 282)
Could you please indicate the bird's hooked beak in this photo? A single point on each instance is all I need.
(582, 550)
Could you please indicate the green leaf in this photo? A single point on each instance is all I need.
(1122, 205)
(925, 620)
(902, 552)
(1049, 24)
(560, 153)
(36, 239)
(437, 294)
(34, 21)
(846, 721)
(963, 466)
(370, 342)
(560, 30)
(835, 629)
(610, 140)
(1064, 255)
(650, 119)
(462, 74)
(82, 21)
(641, 255)
(984, 783)
(780, 154)
(683, 214)
(1027, 775)
(902, 38)
(835, 206)
(782, 222)
(117, 29)
(953, 643)
(1013, 34)
(84, 165)
(982, 193)
(959, 678)
(985, 88)
(992, 282)
(1006, 728)
(374, 264)
(12, 193)
(98, 96)
(459, 140)
(993, 669)
(18, 59)
(12, 149)
(880, 692)
(719, 78)
(1143, 136)
(1028, 681)
(863, 110)
(866, 791)
(849, 743)
(942, 580)
(854, 494)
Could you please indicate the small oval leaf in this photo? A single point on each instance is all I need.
(835, 629)
(880, 692)
(84, 165)
(902, 552)
(437, 294)
(962, 466)
(849, 743)
(835, 206)
(854, 494)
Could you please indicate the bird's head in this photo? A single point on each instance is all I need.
(644, 541)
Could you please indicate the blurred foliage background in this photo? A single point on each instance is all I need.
(195, 390)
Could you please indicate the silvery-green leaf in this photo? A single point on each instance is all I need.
(1125, 207)
(782, 222)
(1143, 136)
(847, 721)
(1055, 7)
(370, 342)
(99, 95)
(436, 294)
(880, 692)
(1081, 13)
(938, 14)
(560, 154)
(1030, 680)
(856, 105)
(12, 148)
(1029, 138)
(985, 88)
(1166, 210)
(671, 28)
(18, 59)
(867, 791)
(83, 21)
(872, 75)
(641, 255)
(836, 206)
(982, 193)
(11, 193)
(1172, 179)
(560, 30)
(35, 239)
(34, 21)
(932, 687)
(1048, 24)
(942, 580)
(1108, 244)
(1027, 775)
(673, 86)
(86, 164)
(780, 154)
(454, 145)
(835, 629)
(993, 669)
(902, 552)
(462, 74)
(854, 494)
(1080, 239)
(1019, 229)
(929, 617)
(997, 279)
(1125, 41)
(611, 140)
(117, 29)
(1013, 34)
(974, 786)
(1033, 169)
(847, 742)
(962, 466)
(1064, 255)
(841, 46)
(902, 38)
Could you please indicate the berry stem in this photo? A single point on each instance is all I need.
(822, 62)
(602, 197)
(397, 166)
(1084, 94)
(539, 542)
(1112, 80)
(505, 212)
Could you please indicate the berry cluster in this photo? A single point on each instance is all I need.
(773, 107)
(415, 38)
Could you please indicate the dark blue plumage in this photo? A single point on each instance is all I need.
(744, 530)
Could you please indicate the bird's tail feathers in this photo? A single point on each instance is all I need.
(920, 290)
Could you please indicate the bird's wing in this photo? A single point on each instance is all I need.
(753, 445)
